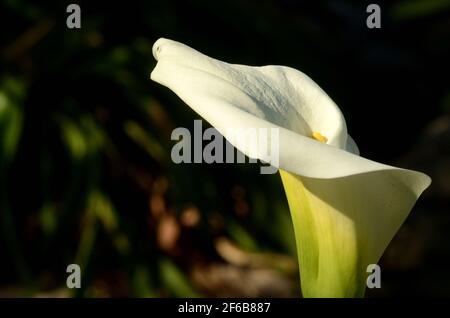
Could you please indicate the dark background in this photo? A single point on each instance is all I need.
(85, 169)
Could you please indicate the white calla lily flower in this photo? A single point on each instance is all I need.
(345, 208)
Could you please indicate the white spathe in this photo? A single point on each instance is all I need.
(355, 203)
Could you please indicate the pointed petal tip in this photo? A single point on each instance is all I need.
(157, 47)
(423, 181)
(427, 181)
(156, 51)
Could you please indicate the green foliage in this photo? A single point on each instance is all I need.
(85, 169)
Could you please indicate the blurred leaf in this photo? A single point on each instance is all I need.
(141, 282)
(74, 139)
(241, 236)
(145, 140)
(48, 218)
(11, 117)
(104, 211)
(418, 8)
(175, 281)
